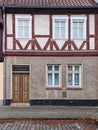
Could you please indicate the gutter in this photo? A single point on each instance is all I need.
(30, 9)
(4, 95)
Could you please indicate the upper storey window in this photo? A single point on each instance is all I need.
(60, 27)
(23, 26)
(78, 27)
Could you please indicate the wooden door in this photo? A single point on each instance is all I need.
(20, 87)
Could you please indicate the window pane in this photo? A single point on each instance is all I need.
(75, 32)
(74, 24)
(76, 79)
(56, 79)
(62, 32)
(81, 32)
(70, 79)
(69, 68)
(26, 22)
(56, 68)
(20, 29)
(26, 31)
(76, 68)
(63, 24)
(20, 22)
(49, 79)
(62, 28)
(49, 68)
(56, 23)
(57, 33)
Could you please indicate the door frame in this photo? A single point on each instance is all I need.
(11, 90)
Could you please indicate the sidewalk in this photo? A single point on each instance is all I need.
(48, 112)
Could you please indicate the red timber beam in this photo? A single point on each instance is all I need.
(53, 53)
(96, 31)
(87, 33)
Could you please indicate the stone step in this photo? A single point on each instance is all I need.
(20, 104)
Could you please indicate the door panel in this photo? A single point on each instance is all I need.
(25, 87)
(20, 87)
(16, 87)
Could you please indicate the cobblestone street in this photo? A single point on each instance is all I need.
(46, 125)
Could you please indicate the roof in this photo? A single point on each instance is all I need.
(49, 3)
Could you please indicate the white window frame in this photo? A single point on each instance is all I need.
(77, 18)
(73, 72)
(53, 72)
(23, 17)
(60, 18)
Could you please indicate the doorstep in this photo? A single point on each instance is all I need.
(20, 104)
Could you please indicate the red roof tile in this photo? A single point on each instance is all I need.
(49, 3)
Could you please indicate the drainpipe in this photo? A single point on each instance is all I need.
(4, 95)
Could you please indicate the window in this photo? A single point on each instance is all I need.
(78, 28)
(74, 76)
(53, 75)
(60, 27)
(23, 26)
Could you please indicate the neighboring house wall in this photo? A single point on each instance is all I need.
(1, 60)
(1, 83)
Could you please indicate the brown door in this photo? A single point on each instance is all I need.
(20, 87)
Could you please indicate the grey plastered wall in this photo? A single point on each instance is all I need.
(38, 77)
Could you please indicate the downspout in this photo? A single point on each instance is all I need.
(4, 95)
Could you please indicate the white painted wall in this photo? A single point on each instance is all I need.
(9, 43)
(78, 43)
(9, 24)
(92, 24)
(42, 41)
(41, 23)
(92, 43)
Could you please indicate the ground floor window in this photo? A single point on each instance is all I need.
(74, 75)
(53, 75)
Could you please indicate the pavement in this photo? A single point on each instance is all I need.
(47, 118)
(48, 112)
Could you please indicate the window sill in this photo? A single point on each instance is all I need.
(21, 38)
(78, 39)
(65, 39)
(74, 88)
(53, 88)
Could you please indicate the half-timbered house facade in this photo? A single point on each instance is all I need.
(51, 52)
